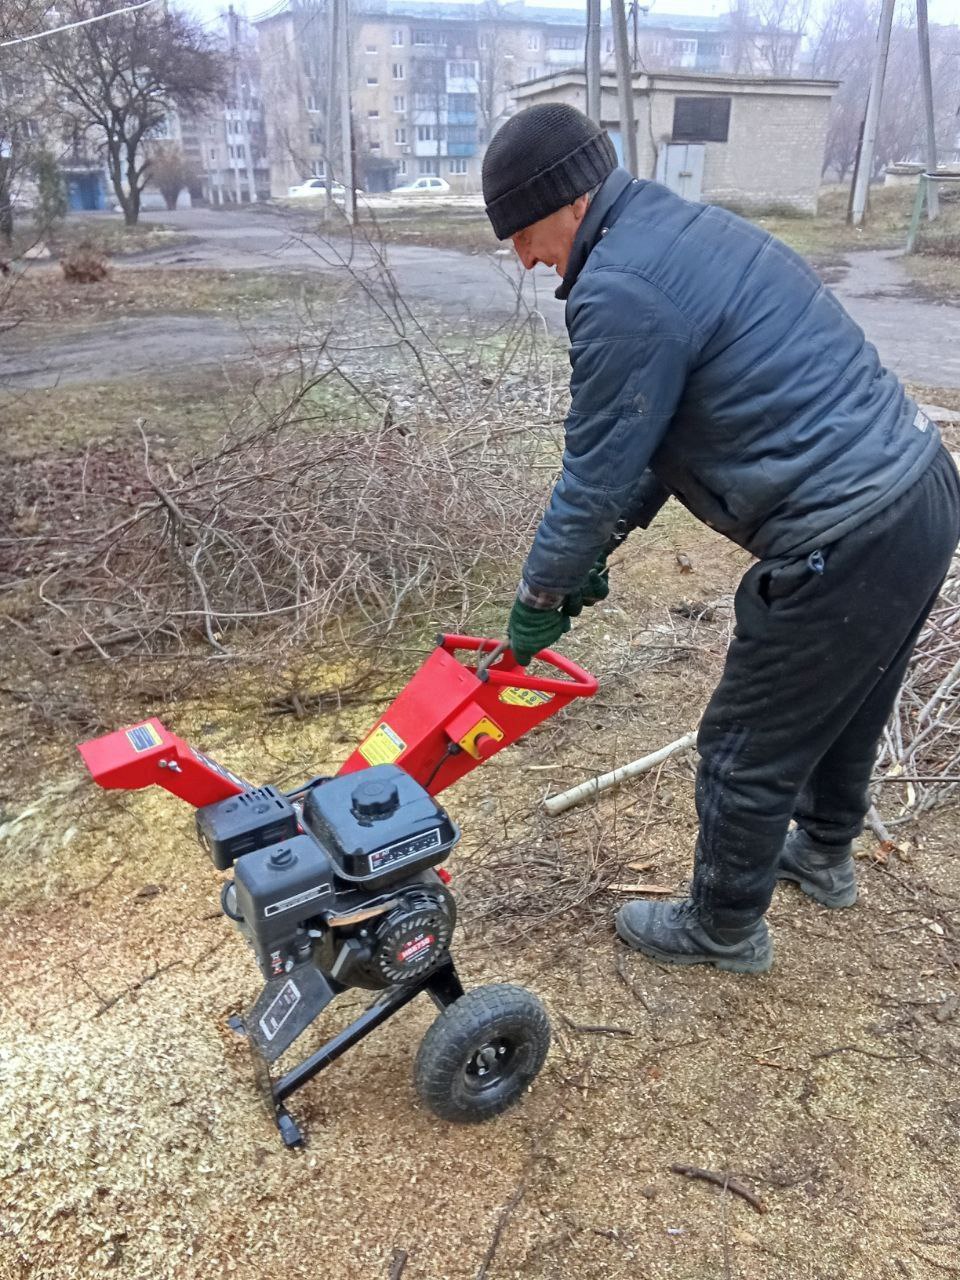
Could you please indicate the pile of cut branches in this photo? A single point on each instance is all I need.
(920, 752)
(306, 533)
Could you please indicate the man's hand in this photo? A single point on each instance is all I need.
(595, 587)
(530, 630)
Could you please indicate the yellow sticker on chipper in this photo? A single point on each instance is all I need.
(382, 746)
(515, 697)
(143, 736)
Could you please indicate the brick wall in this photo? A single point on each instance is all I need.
(773, 154)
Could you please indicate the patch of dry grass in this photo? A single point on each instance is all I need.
(105, 235)
(41, 294)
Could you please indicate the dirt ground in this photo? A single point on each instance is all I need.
(133, 1141)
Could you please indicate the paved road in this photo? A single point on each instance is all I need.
(917, 338)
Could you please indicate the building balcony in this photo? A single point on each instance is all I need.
(461, 117)
(461, 148)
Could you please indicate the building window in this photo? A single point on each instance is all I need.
(427, 167)
(399, 102)
(461, 133)
(458, 166)
(462, 70)
(465, 103)
(374, 146)
(402, 168)
(532, 73)
(684, 46)
(373, 115)
(426, 133)
(701, 119)
(315, 139)
(567, 42)
(533, 41)
(372, 81)
(400, 136)
(426, 37)
(371, 48)
(313, 102)
(398, 71)
(397, 39)
(213, 153)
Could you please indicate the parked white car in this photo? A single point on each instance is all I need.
(423, 186)
(317, 187)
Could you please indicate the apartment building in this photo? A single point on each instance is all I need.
(431, 82)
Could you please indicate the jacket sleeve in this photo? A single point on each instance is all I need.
(630, 350)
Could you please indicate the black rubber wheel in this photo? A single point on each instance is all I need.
(481, 1053)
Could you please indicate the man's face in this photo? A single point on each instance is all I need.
(550, 240)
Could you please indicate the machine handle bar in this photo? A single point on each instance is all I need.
(508, 671)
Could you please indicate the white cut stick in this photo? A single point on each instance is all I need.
(592, 787)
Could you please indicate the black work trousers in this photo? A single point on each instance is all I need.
(820, 648)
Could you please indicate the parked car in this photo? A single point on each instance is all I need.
(317, 187)
(423, 186)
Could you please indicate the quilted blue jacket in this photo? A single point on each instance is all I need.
(709, 362)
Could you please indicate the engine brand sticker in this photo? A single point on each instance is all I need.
(515, 697)
(144, 736)
(415, 948)
(382, 746)
(298, 899)
(280, 1009)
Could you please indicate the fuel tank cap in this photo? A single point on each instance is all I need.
(375, 798)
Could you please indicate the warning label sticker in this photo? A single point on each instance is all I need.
(383, 746)
(524, 697)
(280, 1010)
(143, 736)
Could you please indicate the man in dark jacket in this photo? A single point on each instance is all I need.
(710, 363)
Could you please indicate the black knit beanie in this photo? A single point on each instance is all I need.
(540, 160)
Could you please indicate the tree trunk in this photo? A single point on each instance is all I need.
(6, 205)
(131, 210)
(113, 164)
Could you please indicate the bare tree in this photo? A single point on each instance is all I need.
(495, 71)
(20, 101)
(113, 83)
(170, 172)
(842, 48)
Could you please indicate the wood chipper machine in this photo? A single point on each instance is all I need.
(339, 882)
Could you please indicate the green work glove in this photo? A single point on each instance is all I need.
(595, 587)
(530, 630)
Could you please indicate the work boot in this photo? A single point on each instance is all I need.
(673, 932)
(824, 872)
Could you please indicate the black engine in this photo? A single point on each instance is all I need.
(334, 886)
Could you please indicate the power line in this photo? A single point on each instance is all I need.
(69, 26)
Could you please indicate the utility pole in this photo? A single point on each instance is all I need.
(346, 116)
(628, 128)
(592, 67)
(861, 188)
(232, 147)
(926, 80)
(331, 98)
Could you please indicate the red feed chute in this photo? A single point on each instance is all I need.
(147, 754)
(448, 718)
